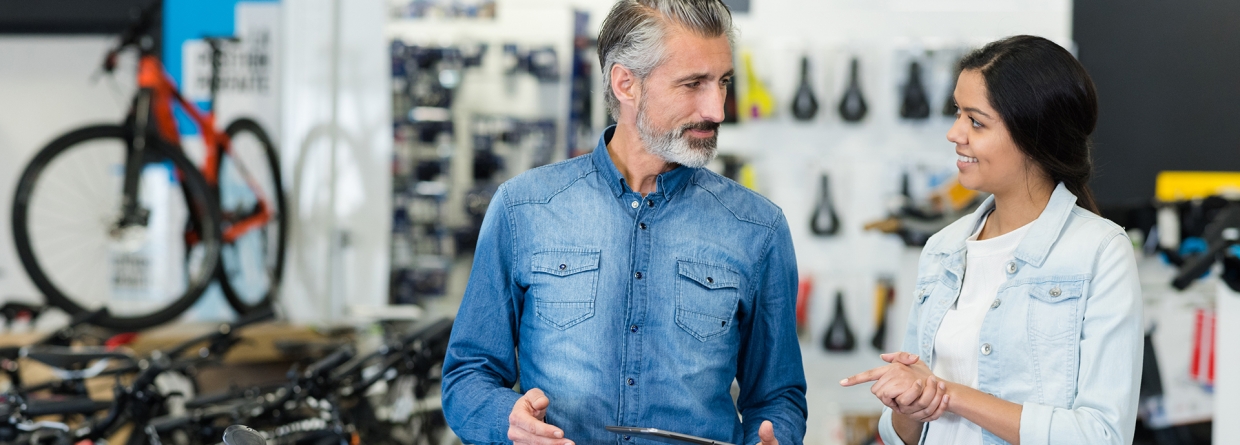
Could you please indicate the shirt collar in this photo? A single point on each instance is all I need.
(669, 183)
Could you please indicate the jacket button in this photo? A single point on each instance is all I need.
(649, 203)
(634, 204)
(563, 266)
(642, 225)
(1055, 292)
(637, 275)
(710, 280)
(633, 328)
(986, 349)
(1011, 267)
(994, 304)
(631, 382)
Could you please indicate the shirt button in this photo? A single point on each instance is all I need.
(710, 280)
(642, 225)
(986, 349)
(649, 203)
(633, 328)
(626, 438)
(631, 382)
(1011, 267)
(1055, 292)
(563, 266)
(634, 204)
(637, 275)
(995, 304)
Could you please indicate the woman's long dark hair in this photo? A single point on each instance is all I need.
(1048, 103)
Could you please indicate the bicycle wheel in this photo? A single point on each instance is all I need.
(66, 227)
(252, 257)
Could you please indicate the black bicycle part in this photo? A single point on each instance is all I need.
(852, 105)
(824, 222)
(839, 337)
(203, 217)
(1220, 233)
(273, 245)
(804, 104)
(914, 104)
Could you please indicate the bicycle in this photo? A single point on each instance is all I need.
(97, 217)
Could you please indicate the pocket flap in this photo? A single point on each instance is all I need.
(708, 275)
(1056, 291)
(565, 262)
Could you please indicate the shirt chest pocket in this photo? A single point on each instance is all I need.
(1054, 309)
(706, 298)
(563, 284)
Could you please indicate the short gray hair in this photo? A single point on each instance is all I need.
(634, 31)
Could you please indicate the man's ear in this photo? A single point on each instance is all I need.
(624, 85)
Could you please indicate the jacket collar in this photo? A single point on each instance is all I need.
(1036, 244)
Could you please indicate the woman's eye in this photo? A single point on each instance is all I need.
(976, 124)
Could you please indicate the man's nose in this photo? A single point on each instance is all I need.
(711, 106)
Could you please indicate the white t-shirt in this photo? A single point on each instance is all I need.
(955, 345)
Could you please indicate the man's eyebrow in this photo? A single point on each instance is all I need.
(702, 76)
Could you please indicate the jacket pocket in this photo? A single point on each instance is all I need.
(563, 284)
(1054, 309)
(707, 297)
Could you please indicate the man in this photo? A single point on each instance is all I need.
(631, 286)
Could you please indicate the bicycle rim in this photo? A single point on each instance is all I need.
(65, 216)
(252, 265)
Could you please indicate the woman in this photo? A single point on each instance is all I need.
(1027, 314)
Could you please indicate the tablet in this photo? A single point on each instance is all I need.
(663, 436)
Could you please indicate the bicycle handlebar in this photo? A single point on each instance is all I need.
(1220, 234)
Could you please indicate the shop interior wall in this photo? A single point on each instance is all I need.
(864, 160)
(1168, 95)
(48, 86)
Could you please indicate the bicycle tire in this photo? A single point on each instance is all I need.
(237, 287)
(201, 213)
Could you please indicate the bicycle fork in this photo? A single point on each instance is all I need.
(132, 214)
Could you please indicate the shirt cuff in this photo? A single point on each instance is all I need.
(1035, 424)
(886, 430)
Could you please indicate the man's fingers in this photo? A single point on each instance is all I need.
(766, 433)
(868, 376)
(537, 399)
(523, 437)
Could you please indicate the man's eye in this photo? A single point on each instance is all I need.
(726, 82)
(693, 84)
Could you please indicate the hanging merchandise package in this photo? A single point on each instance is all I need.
(757, 102)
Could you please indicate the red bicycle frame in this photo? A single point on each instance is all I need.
(152, 77)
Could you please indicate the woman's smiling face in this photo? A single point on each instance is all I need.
(988, 158)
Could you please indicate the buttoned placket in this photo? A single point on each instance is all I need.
(642, 210)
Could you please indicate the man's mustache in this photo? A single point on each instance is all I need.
(700, 126)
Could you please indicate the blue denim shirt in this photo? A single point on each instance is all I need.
(1063, 337)
(629, 310)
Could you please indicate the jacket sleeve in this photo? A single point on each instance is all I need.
(769, 370)
(1105, 409)
(885, 428)
(480, 368)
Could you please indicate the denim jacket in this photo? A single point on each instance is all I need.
(629, 310)
(1063, 337)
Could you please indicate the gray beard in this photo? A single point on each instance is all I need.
(673, 146)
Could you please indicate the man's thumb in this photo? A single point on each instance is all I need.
(766, 433)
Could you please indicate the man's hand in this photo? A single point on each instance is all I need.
(766, 433)
(526, 426)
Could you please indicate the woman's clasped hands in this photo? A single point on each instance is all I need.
(906, 386)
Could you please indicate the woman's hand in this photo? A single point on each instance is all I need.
(906, 386)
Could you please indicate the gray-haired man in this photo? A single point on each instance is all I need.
(631, 286)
